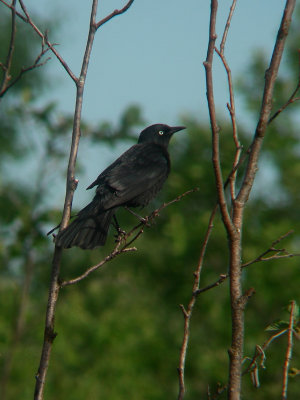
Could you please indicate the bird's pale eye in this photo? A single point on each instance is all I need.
(161, 133)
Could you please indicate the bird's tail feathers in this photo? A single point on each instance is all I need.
(87, 231)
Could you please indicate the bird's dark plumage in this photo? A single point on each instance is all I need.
(132, 180)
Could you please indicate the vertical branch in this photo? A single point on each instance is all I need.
(49, 334)
(288, 355)
(231, 104)
(45, 40)
(227, 26)
(6, 68)
(233, 230)
(187, 313)
(238, 301)
(234, 225)
(266, 106)
(213, 120)
(71, 182)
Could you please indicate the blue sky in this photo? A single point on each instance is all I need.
(153, 54)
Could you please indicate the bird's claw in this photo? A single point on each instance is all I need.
(120, 235)
(145, 221)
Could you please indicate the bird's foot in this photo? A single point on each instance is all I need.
(145, 221)
(120, 235)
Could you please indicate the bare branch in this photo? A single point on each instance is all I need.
(227, 26)
(37, 64)
(288, 355)
(110, 257)
(45, 40)
(270, 77)
(260, 352)
(10, 6)
(235, 240)
(292, 98)
(231, 109)
(7, 66)
(259, 258)
(213, 120)
(188, 313)
(219, 181)
(233, 225)
(122, 239)
(49, 334)
(113, 14)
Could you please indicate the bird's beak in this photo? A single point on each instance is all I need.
(177, 129)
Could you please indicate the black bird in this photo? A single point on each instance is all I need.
(131, 181)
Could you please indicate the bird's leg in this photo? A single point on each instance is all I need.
(116, 225)
(141, 219)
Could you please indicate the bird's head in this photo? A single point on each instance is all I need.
(158, 134)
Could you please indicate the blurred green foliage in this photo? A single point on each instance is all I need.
(120, 330)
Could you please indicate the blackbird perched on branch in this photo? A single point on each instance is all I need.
(132, 180)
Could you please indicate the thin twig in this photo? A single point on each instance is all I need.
(235, 240)
(36, 64)
(292, 98)
(259, 258)
(49, 334)
(114, 14)
(187, 314)
(288, 355)
(231, 109)
(110, 257)
(227, 26)
(10, 6)
(270, 78)
(48, 43)
(213, 119)
(122, 239)
(233, 226)
(7, 67)
(260, 351)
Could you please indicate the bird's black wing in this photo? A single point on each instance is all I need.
(124, 158)
(138, 173)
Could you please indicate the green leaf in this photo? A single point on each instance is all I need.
(277, 326)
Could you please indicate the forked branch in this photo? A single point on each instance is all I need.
(125, 240)
(291, 99)
(272, 253)
(49, 334)
(7, 66)
(266, 105)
